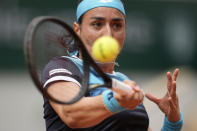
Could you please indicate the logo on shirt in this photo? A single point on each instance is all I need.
(106, 1)
(60, 70)
(110, 95)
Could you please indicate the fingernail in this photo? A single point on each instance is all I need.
(143, 92)
(137, 87)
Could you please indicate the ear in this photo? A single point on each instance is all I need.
(76, 28)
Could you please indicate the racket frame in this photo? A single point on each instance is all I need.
(87, 59)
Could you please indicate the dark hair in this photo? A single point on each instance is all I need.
(81, 17)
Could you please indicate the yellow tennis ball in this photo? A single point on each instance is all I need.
(105, 49)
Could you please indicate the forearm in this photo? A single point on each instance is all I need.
(172, 126)
(87, 112)
(90, 111)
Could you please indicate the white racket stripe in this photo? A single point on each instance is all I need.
(116, 84)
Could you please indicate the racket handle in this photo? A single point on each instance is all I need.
(116, 84)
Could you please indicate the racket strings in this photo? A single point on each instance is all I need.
(50, 37)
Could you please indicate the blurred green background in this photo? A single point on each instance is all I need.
(161, 35)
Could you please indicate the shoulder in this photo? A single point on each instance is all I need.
(61, 68)
(57, 62)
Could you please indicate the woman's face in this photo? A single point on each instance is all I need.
(101, 21)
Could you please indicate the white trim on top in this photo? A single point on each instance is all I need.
(64, 78)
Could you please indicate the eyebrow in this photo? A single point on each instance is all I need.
(102, 18)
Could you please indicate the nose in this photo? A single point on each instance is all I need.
(107, 31)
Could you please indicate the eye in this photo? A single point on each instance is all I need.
(117, 26)
(97, 24)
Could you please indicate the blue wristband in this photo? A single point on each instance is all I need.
(172, 126)
(110, 102)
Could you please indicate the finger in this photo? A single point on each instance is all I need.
(175, 74)
(136, 96)
(143, 92)
(142, 96)
(172, 105)
(133, 93)
(130, 83)
(173, 91)
(117, 96)
(169, 81)
(152, 98)
(136, 88)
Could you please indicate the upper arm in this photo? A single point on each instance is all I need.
(63, 80)
(63, 91)
(86, 112)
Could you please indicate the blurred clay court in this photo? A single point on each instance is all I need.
(21, 104)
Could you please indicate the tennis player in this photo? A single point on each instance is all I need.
(102, 109)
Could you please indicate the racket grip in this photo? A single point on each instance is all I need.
(116, 84)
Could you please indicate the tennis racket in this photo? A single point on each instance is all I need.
(48, 37)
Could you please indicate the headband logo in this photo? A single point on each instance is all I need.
(106, 1)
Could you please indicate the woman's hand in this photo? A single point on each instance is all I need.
(132, 99)
(168, 104)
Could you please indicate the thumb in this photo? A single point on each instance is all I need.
(152, 98)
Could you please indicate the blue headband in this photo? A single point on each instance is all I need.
(87, 5)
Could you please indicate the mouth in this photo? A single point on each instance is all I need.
(107, 63)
